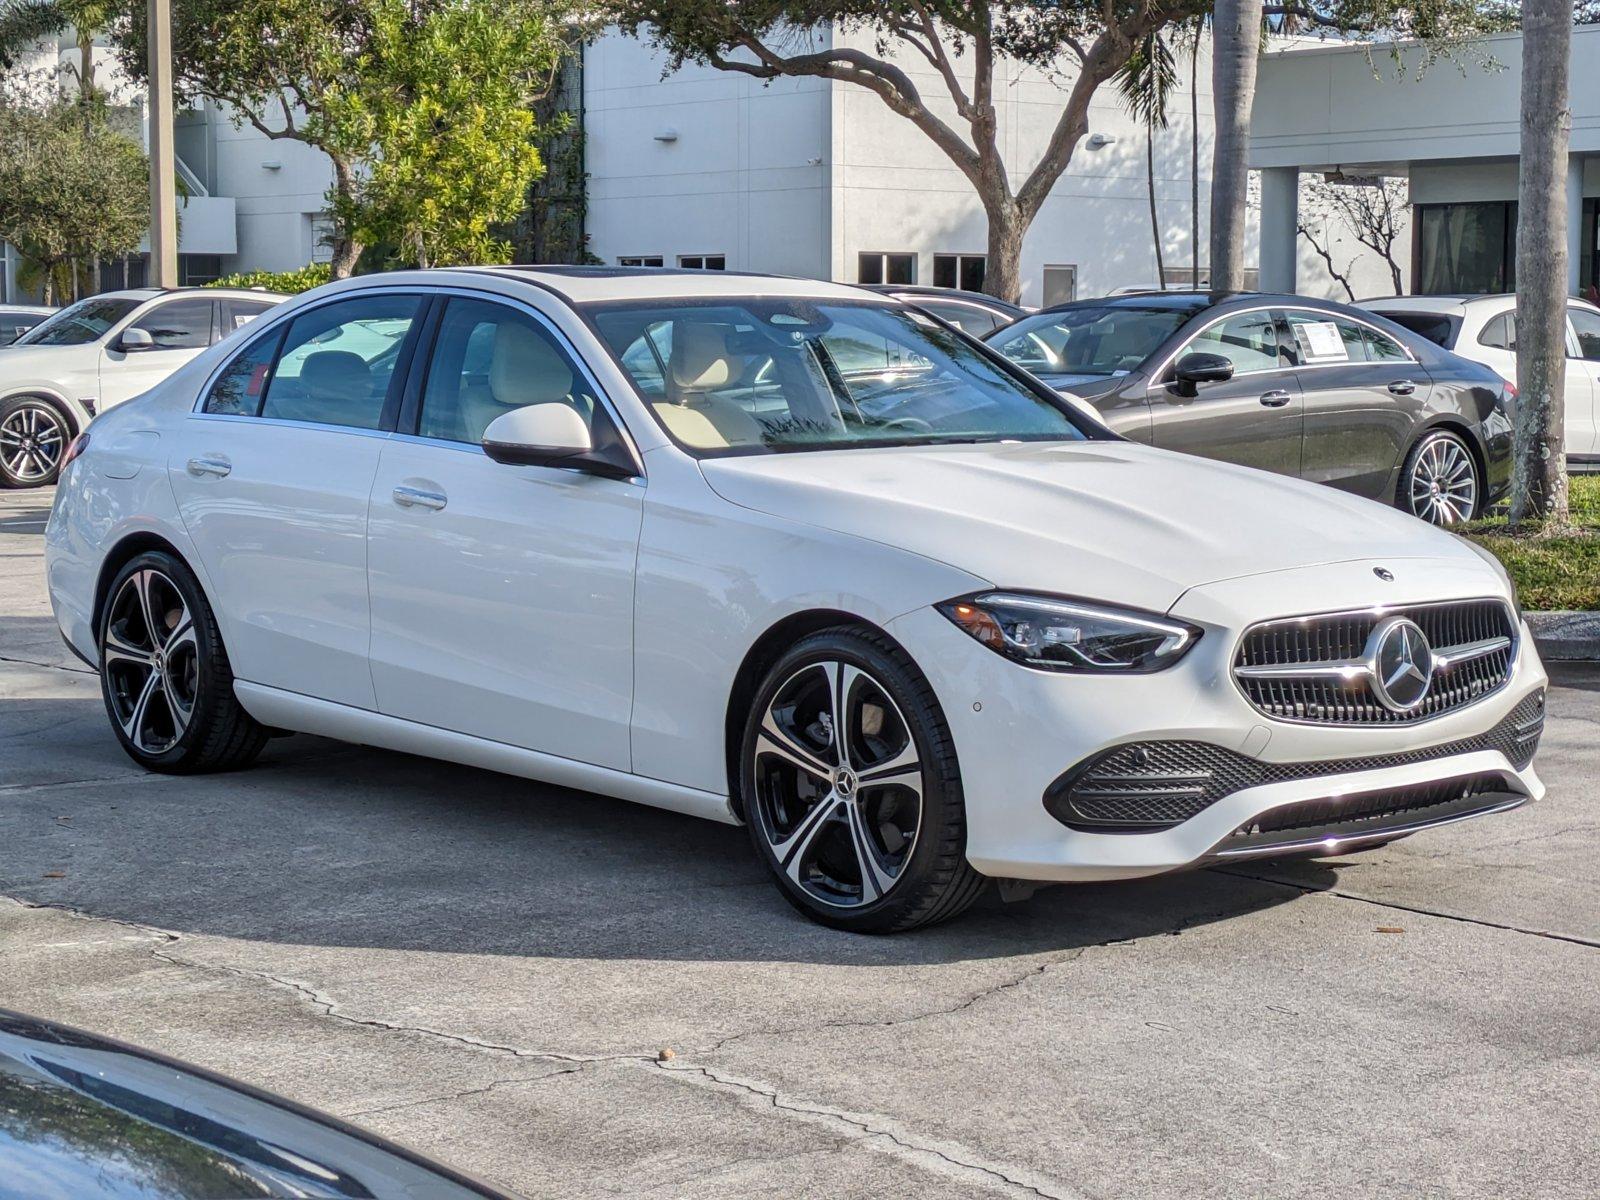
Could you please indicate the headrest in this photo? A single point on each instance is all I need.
(526, 369)
(700, 357)
(336, 375)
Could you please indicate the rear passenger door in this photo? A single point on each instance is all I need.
(1363, 392)
(1253, 419)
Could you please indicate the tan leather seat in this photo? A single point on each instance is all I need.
(524, 368)
(700, 363)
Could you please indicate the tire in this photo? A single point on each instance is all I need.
(169, 693)
(34, 435)
(877, 844)
(1441, 481)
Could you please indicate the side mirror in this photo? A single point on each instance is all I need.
(131, 341)
(551, 435)
(1194, 369)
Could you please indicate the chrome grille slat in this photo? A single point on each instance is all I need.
(1331, 638)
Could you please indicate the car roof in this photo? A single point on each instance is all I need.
(151, 293)
(940, 293)
(583, 285)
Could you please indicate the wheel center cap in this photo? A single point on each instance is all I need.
(844, 782)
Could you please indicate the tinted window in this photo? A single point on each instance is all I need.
(338, 360)
(1436, 327)
(1382, 348)
(1587, 326)
(1090, 340)
(243, 382)
(180, 325)
(489, 359)
(796, 374)
(236, 314)
(1500, 333)
(1248, 340)
(86, 321)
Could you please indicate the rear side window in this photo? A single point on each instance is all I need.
(1436, 327)
(239, 390)
(236, 314)
(1587, 326)
(1500, 333)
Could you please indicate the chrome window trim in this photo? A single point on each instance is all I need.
(516, 302)
(1157, 379)
(1404, 349)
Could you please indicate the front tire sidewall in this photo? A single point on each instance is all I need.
(942, 798)
(17, 404)
(1410, 467)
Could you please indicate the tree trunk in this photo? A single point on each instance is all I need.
(1539, 478)
(85, 66)
(1002, 274)
(1235, 43)
(421, 247)
(1155, 221)
(346, 249)
(1194, 153)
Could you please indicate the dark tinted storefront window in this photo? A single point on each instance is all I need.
(1465, 248)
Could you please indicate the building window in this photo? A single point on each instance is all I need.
(1465, 248)
(959, 271)
(640, 260)
(322, 235)
(1060, 285)
(703, 262)
(197, 269)
(876, 266)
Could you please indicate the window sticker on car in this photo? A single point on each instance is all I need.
(1319, 342)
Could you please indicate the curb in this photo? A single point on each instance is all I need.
(1566, 636)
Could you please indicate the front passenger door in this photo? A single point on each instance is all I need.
(1253, 419)
(502, 596)
(179, 328)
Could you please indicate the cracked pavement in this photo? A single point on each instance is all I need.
(489, 971)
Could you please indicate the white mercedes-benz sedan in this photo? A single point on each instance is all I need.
(783, 553)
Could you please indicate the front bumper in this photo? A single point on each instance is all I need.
(1017, 731)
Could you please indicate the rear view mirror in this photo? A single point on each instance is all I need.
(550, 435)
(1194, 369)
(131, 341)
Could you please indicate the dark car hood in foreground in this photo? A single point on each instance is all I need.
(86, 1118)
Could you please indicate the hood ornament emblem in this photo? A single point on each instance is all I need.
(1384, 574)
(1401, 664)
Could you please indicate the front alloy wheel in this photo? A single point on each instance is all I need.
(1440, 482)
(852, 792)
(33, 440)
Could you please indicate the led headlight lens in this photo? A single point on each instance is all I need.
(1066, 635)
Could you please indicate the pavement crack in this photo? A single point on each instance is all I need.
(921, 1152)
(446, 1097)
(1396, 906)
(49, 666)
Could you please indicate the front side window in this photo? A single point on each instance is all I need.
(1587, 326)
(489, 359)
(180, 325)
(1090, 339)
(337, 362)
(750, 375)
(1250, 342)
(84, 322)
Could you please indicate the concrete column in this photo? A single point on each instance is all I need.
(163, 168)
(1574, 222)
(1280, 226)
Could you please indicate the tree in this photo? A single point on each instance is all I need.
(1538, 475)
(1235, 43)
(71, 191)
(1372, 212)
(24, 23)
(1146, 80)
(962, 42)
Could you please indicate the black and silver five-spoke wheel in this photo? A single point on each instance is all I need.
(851, 788)
(1440, 482)
(33, 441)
(164, 673)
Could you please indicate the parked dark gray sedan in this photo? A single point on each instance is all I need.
(1285, 383)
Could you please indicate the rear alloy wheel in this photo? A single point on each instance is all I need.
(852, 792)
(1440, 481)
(33, 441)
(164, 674)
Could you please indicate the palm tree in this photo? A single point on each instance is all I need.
(1145, 81)
(1235, 46)
(24, 23)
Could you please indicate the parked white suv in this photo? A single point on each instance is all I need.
(1484, 329)
(97, 353)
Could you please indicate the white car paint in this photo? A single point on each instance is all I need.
(1474, 320)
(590, 631)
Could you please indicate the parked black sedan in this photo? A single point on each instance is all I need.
(1285, 383)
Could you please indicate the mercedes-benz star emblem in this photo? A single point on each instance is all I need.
(1384, 574)
(1402, 664)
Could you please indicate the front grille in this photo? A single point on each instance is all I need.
(1312, 669)
(1146, 786)
(1375, 807)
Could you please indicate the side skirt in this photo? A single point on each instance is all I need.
(306, 714)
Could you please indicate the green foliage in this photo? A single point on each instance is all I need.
(72, 189)
(1554, 567)
(1147, 79)
(290, 283)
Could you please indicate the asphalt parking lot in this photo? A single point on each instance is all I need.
(490, 971)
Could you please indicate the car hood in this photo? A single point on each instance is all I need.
(1108, 520)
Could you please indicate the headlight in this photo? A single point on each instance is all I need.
(1066, 635)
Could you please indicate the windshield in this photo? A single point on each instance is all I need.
(1110, 340)
(86, 321)
(747, 375)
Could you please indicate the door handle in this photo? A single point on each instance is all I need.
(1402, 387)
(1276, 398)
(212, 464)
(410, 497)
